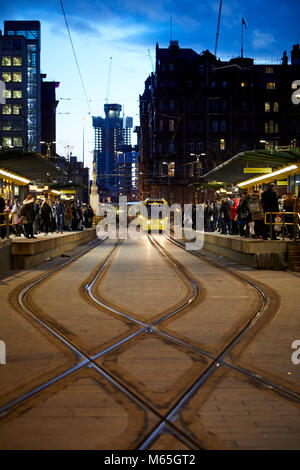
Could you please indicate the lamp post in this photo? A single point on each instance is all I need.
(48, 155)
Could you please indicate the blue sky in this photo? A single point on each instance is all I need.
(125, 30)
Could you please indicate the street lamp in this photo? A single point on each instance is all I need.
(48, 155)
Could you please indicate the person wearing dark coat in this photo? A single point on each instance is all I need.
(60, 216)
(225, 216)
(46, 216)
(2, 217)
(269, 202)
(27, 214)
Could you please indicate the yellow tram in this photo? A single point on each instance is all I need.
(157, 216)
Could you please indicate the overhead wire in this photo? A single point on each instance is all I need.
(75, 56)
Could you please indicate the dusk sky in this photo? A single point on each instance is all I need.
(125, 30)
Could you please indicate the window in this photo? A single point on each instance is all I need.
(213, 84)
(243, 84)
(17, 94)
(222, 144)
(171, 125)
(7, 94)
(266, 127)
(171, 105)
(244, 106)
(276, 128)
(171, 169)
(6, 61)
(171, 84)
(223, 126)
(161, 125)
(191, 147)
(6, 109)
(6, 126)
(244, 125)
(267, 107)
(191, 124)
(17, 77)
(6, 77)
(276, 107)
(214, 105)
(269, 70)
(271, 86)
(171, 67)
(17, 141)
(199, 125)
(171, 147)
(16, 109)
(6, 142)
(201, 68)
(215, 126)
(199, 146)
(17, 61)
(223, 105)
(224, 84)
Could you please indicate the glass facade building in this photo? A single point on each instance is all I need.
(20, 71)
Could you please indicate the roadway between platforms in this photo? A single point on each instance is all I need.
(139, 344)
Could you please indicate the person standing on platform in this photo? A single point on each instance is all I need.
(225, 216)
(288, 206)
(269, 202)
(233, 216)
(27, 213)
(46, 216)
(60, 216)
(2, 217)
(257, 213)
(244, 215)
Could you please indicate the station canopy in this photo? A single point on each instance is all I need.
(248, 164)
(30, 165)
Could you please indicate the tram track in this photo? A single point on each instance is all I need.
(88, 360)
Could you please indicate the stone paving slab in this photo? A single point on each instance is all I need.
(231, 411)
(266, 349)
(226, 304)
(61, 299)
(32, 356)
(158, 370)
(82, 411)
(141, 283)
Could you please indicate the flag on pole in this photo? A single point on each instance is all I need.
(244, 23)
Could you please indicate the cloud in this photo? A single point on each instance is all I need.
(262, 40)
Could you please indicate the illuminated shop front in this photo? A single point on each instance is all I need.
(13, 186)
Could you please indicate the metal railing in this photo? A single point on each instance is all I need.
(6, 218)
(282, 215)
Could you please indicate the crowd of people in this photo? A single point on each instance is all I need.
(32, 216)
(246, 215)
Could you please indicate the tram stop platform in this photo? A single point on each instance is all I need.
(24, 253)
(259, 254)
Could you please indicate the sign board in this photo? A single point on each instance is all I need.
(282, 183)
(257, 170)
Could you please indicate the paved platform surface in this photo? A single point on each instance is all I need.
(151, 376)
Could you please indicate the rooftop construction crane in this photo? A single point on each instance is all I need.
(108, 81)
(218, 27)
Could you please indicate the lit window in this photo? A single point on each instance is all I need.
(267, 107)
(294, 86)
(276, 128)
(6, 141)
(271, 86)
(17, 141)
(276, 107)
(171, 125)
(7, 94)
(222, 144)
(17, 94)
(266, 127)
(17, 61)
(16, 109)
(269, 70)
(6, 77)
(243, 84)
(17, 77)
(6, 109)
(271, 127)
(6, 61)
(171, 169)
